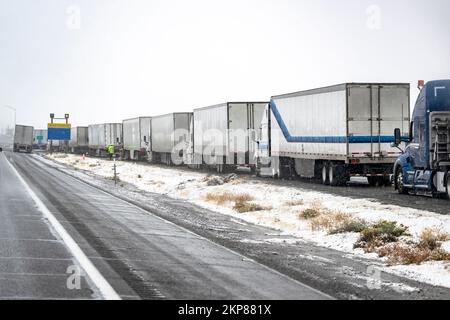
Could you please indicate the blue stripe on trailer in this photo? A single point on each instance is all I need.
(324, 139)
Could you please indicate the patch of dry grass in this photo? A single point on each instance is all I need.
(334, 222)
(314, 211)
(383, 238)
(330, 220)
(380, 234)
(294, 203)
(245, 206)
(407, 254)
(221, 198)
(432, 238)
(310, 213)
(350, 226)
(117, 179)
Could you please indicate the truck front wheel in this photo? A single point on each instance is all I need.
(447, 186)
(399, 181)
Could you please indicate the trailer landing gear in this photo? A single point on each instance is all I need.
(379, 181)
(287, 169)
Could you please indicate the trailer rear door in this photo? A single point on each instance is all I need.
(394, 111)
(238, 129)
(362, 123)
(374, 111)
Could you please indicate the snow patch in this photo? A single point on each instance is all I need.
(286, 202)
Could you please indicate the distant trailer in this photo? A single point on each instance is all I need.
(23, 139)
(137, 139)
(79, 142)
(103, 135)
(224, 135)
(40, 139)
(335, 133)
(169, 135)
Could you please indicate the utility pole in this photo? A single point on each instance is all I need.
(15, 117)
(52, 116)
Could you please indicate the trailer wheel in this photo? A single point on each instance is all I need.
(338, 175)
(325, 179)
(399, 182)
(332, 176)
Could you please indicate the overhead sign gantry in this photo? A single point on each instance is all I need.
(59, 131)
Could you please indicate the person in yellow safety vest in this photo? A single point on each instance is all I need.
(111, 151)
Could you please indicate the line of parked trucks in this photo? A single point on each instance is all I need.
(330, 134)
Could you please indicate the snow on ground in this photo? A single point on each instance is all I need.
(285, 204)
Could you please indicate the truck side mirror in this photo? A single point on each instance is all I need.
(397, 137)
(145, 139)
(411, 132)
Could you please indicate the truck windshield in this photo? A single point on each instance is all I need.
(439, 97)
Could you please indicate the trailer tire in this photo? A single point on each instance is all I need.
(338, 175)
(332, 176)
(325, 178)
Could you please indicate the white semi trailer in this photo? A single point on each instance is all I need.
(79, 140)
(169, 137)
(334, 133)
(103, 135)
(23, 139)
(223, 135)
(137, 139)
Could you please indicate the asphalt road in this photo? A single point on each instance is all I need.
(141, 255)
(339, 275)
(33, 261)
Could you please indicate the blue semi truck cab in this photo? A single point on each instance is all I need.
(424, 166)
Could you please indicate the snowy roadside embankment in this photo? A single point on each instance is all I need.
(306, 214)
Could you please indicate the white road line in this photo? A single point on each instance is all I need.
(106, 290)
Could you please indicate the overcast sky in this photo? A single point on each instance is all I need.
(108, 60)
